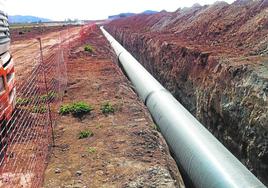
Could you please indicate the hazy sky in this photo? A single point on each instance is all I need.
(89, 9)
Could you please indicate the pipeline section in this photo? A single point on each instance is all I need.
(207, 163)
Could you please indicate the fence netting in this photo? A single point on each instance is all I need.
(26, 137)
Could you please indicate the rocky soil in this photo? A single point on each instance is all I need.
(214, 59)
(125, 149)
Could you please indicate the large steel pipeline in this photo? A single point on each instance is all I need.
(206, 162)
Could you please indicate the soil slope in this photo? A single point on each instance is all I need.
(125, 149)
(214, 59)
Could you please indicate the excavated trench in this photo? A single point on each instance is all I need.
(229, 100)
(228, 95)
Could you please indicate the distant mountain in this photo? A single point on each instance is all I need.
(149, 12)
(26, 19)
(123, 15)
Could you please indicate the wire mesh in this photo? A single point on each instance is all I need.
(26, 137)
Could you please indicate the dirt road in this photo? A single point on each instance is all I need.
(125, 150)
(26, 52)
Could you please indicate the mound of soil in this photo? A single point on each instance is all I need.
(214, 60)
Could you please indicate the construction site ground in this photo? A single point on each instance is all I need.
(25, 48)
(125, 149)
(29, 31)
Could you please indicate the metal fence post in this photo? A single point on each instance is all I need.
(46, 86)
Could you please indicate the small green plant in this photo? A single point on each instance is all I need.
(85, 134)
(88, 48)
(23, 101)
(99, 126)
(47, 97)
(107, 108)
(92, 150)
(77, 109)
(155, 127)
(65, 109)
(39, 109)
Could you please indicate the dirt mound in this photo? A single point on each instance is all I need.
(239, 27)
(213, 59)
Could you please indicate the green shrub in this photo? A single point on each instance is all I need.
(92, 150)
(85, 134)
(77, 109)
(47, 97)
(39, 109)
(65, 109)
(107, 108)
(23, 101)
(81, 108)
(88, 48)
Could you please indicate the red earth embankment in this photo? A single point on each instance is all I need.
(214, 61)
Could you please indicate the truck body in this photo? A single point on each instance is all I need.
(7, 79)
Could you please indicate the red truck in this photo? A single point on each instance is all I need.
(7, 82)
